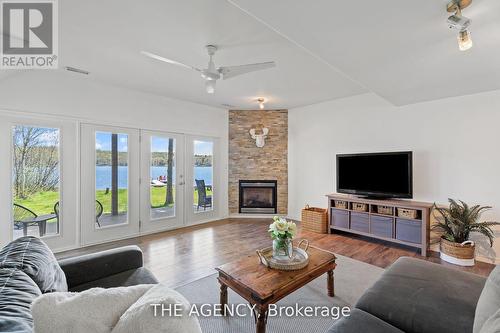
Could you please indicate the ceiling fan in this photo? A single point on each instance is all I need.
(211, 74)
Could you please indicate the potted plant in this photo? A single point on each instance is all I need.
(282, 232)
(457, 222)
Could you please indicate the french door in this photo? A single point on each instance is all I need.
(137, 181)
(162, 181)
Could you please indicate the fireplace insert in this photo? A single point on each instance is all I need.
(258, 196)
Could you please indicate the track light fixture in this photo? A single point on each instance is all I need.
(459, 22)
(261, 101)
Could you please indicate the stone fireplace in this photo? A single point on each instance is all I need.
(249, 162)
(258, 196)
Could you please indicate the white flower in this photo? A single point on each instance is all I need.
(292, 228)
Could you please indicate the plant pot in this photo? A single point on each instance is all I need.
(457, 253)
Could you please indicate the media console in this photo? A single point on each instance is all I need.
(362, 216)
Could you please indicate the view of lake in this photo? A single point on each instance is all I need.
(103, 175)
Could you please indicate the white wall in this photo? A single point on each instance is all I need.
(82, 99)
(456, 145)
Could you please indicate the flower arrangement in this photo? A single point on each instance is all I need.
(282, 232)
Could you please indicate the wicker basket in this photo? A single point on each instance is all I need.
(385, 210)
(407, 213)
(340, 204)
(315, 219)
(359, 207)
(457, 250)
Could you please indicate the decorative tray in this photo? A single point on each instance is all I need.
(299, 259)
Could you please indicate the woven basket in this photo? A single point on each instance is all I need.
(457, 250)
(359, 207)
(407, 213)
(341, 204)
(385, 210)
(315, 219)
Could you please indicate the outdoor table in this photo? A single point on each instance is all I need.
(41, 221)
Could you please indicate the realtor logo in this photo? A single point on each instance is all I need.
(29, 34)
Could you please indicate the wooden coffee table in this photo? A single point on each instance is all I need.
(261, 286)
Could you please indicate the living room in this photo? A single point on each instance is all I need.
(249, 166)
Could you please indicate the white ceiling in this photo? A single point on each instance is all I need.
(401, 50)
(105, 38)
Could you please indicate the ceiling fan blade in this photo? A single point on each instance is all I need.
(170, 61)
(232, 71)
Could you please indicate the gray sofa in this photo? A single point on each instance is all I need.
(118, 267)
(28, 269)
(416, 296)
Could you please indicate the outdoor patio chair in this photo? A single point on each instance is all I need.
(22, 213)
(203, 200)
(98, 211)
(25, 217)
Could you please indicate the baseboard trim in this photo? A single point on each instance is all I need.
(255, 216)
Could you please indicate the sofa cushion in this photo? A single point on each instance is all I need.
(360, 321)
(417, 296)
(17, 291)
(140, 317)
(492, 324)
(95, 310)
(128, 278)
(489, 301)
(33, 257)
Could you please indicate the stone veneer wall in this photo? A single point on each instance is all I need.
(246, 161)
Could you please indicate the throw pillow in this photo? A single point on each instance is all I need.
(492, 324)
(141, 316)
(489, 301)
(94, 310)
(32, 256)
(17, 292)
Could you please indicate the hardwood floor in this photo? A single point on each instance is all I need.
(179, 256)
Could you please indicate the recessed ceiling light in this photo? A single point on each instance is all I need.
(76, 70)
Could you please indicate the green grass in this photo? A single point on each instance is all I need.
(43, 202)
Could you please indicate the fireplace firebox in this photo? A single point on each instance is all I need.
(258, 196)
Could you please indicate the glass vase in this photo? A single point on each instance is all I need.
(282, 248)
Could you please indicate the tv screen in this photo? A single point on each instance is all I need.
(385, 175)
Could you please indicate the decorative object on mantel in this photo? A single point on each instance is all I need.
(456, 223)
(314, 219)
(299, 260)
(282, 232)
(259, 138)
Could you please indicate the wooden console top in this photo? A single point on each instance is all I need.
(388, 202)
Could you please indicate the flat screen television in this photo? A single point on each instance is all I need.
(378, 175)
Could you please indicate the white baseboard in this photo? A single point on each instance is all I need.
(255, 216)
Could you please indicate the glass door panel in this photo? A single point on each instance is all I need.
(201, 176)
(110, 183)
(111, 179)
(162, 176)
(162, 180)
(203, 154)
